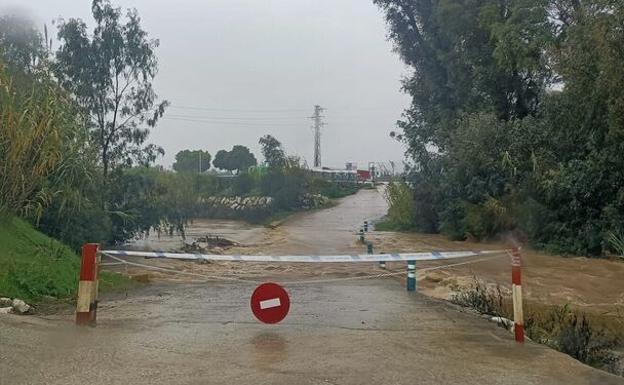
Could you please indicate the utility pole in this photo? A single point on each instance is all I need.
(318, 123)
(200, 161)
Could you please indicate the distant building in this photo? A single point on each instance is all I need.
(335, 175)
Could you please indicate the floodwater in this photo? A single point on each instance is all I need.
(184, 330)
(327, 231)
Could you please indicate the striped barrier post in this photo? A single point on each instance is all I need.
(411, 275)
(366, 226)
(86, 307)
(516, 293)
(362, 235)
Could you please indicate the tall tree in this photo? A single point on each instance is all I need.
(494, 145)
(21, 44)
(272, 151)
(490, 57)
(240, 158)
(110, 72)
(221, 160)
(192, 161)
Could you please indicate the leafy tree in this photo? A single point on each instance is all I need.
(21, 43)
(240, 158)
(110, 71)
(192, 161)
(516, 117)
(273, 153)
(221, 160)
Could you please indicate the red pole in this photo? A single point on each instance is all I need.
(516, 292)
(86, 306)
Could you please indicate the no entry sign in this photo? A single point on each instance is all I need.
(270, 303)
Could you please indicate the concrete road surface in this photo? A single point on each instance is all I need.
(347, 332)
(362, 332)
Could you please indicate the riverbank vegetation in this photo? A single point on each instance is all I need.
(517, 119)
(589, 338)
(34, 267)
(75, 161)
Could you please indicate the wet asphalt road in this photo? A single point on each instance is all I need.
(370, 332)
(346, 332)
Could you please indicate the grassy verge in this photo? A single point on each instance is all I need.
(587, 338)
(35, 267)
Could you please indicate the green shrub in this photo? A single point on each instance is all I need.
(331, 189)
(400, 205)
(572, 333)
(560, 328)
(617, 242)
(285, 186)
(243, 184)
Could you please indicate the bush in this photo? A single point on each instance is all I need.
(481, 298)
(572, 333)
(242, 184)
(286, 186)
(560, 328)
(330, 189)
(400, 205)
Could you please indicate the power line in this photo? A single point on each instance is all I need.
(237, 109)
(230, 123)
(234, 118)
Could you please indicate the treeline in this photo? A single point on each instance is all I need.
(517, 118)
(74, 123)
(238, 159)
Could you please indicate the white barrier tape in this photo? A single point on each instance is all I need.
(302, 282)
(427, 256)
(189, 273)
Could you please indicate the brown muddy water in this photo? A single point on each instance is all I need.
(593, 285)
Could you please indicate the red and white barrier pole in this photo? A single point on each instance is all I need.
(516, 292)
(86, 308)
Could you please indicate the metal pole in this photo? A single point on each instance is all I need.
(411, 275)
(86, 307)
(382, 264)
(516, 293)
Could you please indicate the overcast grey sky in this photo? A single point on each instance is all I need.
(235, 70)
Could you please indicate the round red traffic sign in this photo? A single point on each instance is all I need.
(270, 303)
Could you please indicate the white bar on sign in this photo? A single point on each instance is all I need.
(269, 303)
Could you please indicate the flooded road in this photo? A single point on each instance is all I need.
(344, 332)
(331, 230)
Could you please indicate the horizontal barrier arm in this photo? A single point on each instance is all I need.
(425, 256)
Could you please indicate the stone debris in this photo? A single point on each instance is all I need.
(20, 307)
(15, 305)
(237, 203)
(506, 322)
(208, 243)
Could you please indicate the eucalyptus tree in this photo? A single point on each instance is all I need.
(109, 71)
(273, 152)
